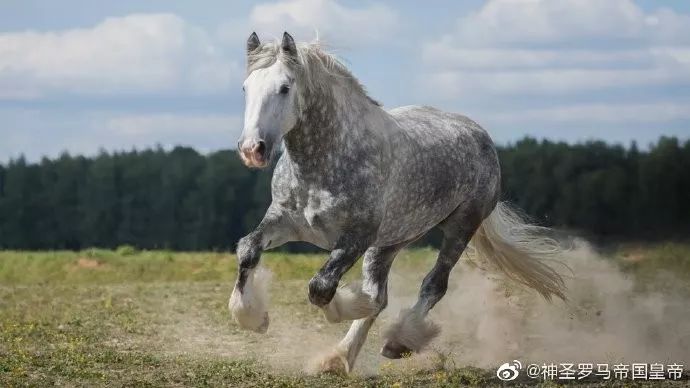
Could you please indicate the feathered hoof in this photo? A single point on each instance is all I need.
(258, 325)
(412, 332)
(249, 308)
(334, 363)
(349, 303)
(395, 351)
(247, 316)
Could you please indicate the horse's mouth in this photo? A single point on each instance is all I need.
(255, 161)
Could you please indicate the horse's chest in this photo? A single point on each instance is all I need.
(318, 207)
(316, 214)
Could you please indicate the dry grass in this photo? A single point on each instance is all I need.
(129, 318)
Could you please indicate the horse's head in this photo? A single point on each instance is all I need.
(271, 106)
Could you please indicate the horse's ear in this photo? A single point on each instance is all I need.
(253, 42)
(288, 45)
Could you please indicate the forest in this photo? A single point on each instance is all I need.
(180, 199)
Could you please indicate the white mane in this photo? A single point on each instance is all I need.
(316, 69)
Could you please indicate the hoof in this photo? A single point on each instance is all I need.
(322, 290)
(412, 332)
(395, 351)
(249, 308)
(349, 303)
(334, 363)
(248, 318)
(263, 328)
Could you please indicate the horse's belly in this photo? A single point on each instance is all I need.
(415, 208)
(404, 223)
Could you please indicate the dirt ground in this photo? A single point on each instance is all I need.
(161, 319)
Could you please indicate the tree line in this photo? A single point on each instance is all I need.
(183, 200)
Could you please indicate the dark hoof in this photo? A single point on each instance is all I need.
(321, 290)
(395, 351)
(264, 325)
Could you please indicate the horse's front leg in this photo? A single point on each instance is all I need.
(344, 303)
(249, 300)
(375, 267)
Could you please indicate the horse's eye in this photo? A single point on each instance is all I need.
(243, 88)
(284, 89)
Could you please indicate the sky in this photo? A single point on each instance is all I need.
(83, 76)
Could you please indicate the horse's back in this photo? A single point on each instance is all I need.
(442, 161)
(428, 125)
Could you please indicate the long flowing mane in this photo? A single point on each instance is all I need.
(316, 68)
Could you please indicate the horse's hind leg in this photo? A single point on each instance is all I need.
(412, 331)
(375, 268)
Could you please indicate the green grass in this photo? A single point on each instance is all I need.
(131, 318)
(651, 265)
(98, 266)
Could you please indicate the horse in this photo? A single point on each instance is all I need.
(357, 180)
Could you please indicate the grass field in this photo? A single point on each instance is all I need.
(129, 318)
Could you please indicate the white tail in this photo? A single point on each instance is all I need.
(519, 249)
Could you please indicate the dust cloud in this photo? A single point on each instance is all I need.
(486, 321)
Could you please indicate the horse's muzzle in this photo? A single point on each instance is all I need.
(254, 153)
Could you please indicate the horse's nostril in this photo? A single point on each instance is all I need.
(261, 147)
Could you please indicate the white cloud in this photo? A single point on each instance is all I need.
(139, 53)
(531, 47)
(548, 81)
(538, 22)
(444, 55)
(657, 112)
(337, 24)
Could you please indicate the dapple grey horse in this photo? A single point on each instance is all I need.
(358, 180)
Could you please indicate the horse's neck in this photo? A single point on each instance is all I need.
(330, 128)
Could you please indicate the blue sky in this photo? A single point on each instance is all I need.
(82, 75)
